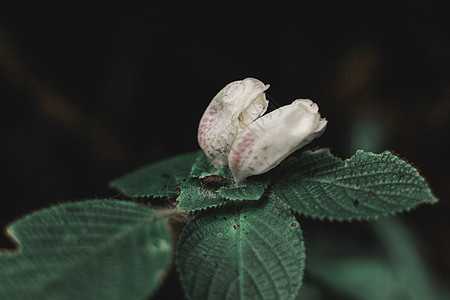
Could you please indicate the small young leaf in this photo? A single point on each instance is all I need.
(203, 168)
(366, 186)
(209, 187)
(252, 189)
(96, 249)
(158, 179)
(196, 195)
(245, 250)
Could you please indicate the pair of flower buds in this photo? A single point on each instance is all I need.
(234, 132)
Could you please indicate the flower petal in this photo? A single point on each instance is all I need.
(231, 110)
(267, 141)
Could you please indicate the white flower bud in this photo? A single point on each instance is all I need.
(267, 141)
(231, 110)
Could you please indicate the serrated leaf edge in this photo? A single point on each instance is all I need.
(434, 201)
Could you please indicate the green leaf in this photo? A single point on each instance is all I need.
(210, 187)
(252, 189)
(96, 249)
(158, 179)
(366, 186)
(196, 195)
(246, 250)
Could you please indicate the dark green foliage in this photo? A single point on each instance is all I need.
(246, 250)
(394, 270)
(97, 249)
(366, 186)
(158, 179)
(241, 242)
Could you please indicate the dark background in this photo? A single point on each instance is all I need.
(89, 93)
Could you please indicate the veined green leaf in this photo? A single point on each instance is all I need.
(246, 250)
(366, 186)
(158, 179)
(96, 249)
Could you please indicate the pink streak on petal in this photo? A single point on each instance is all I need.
(242, 152)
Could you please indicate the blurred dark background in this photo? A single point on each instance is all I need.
(89, 93)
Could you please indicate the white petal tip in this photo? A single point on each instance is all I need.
(320, 127)
(309, 104)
